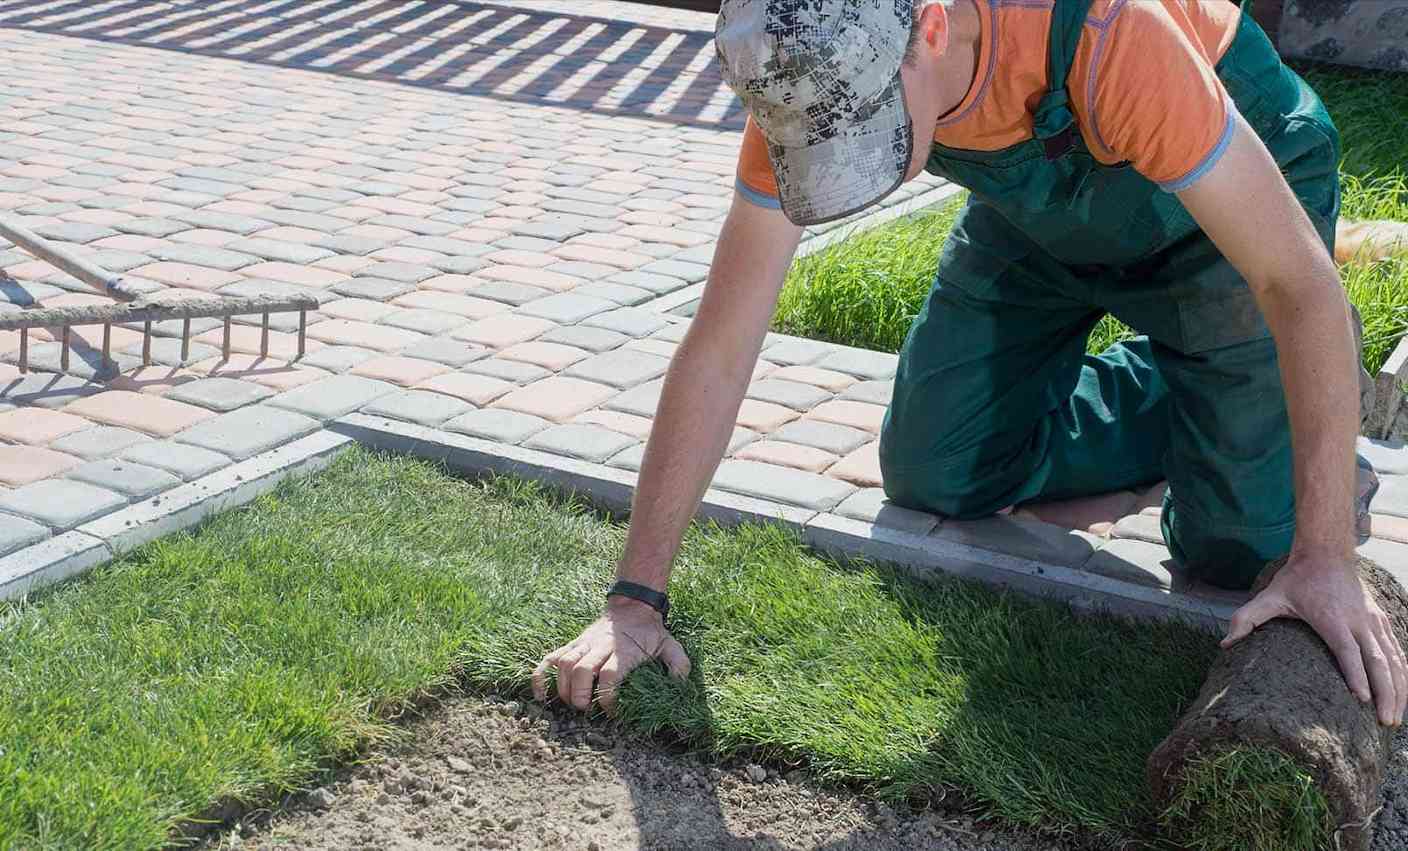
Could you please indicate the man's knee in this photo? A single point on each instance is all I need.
(1224, 555)
(963, 486)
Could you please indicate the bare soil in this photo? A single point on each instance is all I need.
(489, 774)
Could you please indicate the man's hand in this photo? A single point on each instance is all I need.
(1329, 595)
(625, 636)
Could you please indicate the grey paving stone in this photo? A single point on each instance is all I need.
(651, 281)
(244, 225)
(248, 431)
(507, 370)
(424, 227)
(583, 337)
(794, 352)
(26, 293)
(690, 273)
(332, 397)
(220, 394)
(376, 289)
(1133, 561)
(459, 265)
(153, 227)
(61, 504)
(449, 352)
(121, 261)
(640, 401)
(83, 362)
(781, 484)
(79, 232)
(285, 252)
(338, 358)
(207, 187)
(556, 231)
(871, 506)
(702, 254)
(47, 390)
(833, 438)
(617, 293)
(133, 480)
(861, 363)
(1025, 538)
(581, 440)
(477, 206)
(620, 367)
(351, 244)
(565, 307)
(447, 246)
(494, 424)
(418, 406)
(673, 332)
(740, 438)
(188, 462)
(299, 219)
(1139, 527)
(204, 255)
(406, 273)
(167, 352)
(1386, 456)
(17, 532)
(582, 270)
(422, 320)
(874, 392)
(306, 203)
(632, 321)
(791, 394)
(628, 459)
(98, 442)
(508, 293)
(1392, 497)
(1390, 555)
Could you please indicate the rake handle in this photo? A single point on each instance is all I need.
(84, 270)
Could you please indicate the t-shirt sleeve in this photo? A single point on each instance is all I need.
(755, 181)
(1152, 95)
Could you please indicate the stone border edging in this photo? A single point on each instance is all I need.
(1389, 384)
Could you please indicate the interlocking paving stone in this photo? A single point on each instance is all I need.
(763, 416)
(556, 398)
(133, 480)
(794, 352)
(399, 370)
(1026, 538)
(98, 442)
(580, 440)
(406, 273)
(594, 340)
(220, 394)
(418, 406)
(833, 438)
(167, 352)
(793, 455)
(507, 292)
(364, 335)
(1385, 456)
(861, 467)
(1139, 527)
(1133, 561)
(243, 225)
(858, 362)
(673, 332)
(641, 401)
(637, 427)
(1389, 528)
(20, 465)
(508, 370)
(139, 411)
(565, 307)
(790, 394)
(424, 321)
(498, 425)
(498, 332)
(824, 378)
(248, 431)
(78, 232)
(874, 392)
(780, 484)
(448, 352)
(17, 532)
(187, 462)
(628, 459)
(273, 249)
(650, 281)
(478, 390)
(376, 289)
(632, 321)
(620, 368)
(871, 506)
(617, 293)
(551, 356)
(854, 414)
(60, 504)
(38, 425)
(330, 397)
(205, 255)
(351, 244)
(338, 358)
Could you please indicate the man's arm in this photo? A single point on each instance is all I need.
(1249, 212)
(703, 389)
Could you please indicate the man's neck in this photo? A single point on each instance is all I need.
(958, 72)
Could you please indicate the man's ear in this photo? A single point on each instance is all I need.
(932, 25)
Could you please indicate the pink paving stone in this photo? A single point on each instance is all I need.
(450, 283)
(531, 277)
(296, 235)
(130, 242)
(239, 208)
(399, 206)
(663, 348)
(248, 339)
(605, 256)
(763, 416)
(355, 214)
(1094, 514)
(605, 240)
(667, 235)
(824, 378)
(553, 356)
(270, 372)
(480, 234)
(763, 369)
(649, 218)
(294, 273)
(344, 264)
(205, 236)
(20, 465)
(399, 370)
(38, 425)
(497, 332)
(106, 218)
(401, 254)
(155, 379)
(478, 390)
(138, 411)
(359, 309)
(380, 232)
(860, 415)
(186, 275)
(525, 259)
(785, 454)
(1389, 527)
(30, 270)
(75, 300)
(861, 467)
(630, 424)
(460, 305)
(346, 332)
(557, 399)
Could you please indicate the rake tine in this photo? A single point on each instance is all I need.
(107, 343)
(147, 343)
(24, 350)
(226, 347)
(185, 340)
(302, 331)
(63, 352)
(264, 338)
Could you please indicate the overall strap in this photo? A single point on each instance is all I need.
(1054, 121)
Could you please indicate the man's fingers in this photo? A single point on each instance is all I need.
(583, 673)
(674, 657)
(1393, 656)
(1351, 661)
(1376, 665)
(566, 666)
(540, 674)
(608, 679)
(1260, 609)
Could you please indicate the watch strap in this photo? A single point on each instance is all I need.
(656, 600)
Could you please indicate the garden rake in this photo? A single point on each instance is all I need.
(133, 307)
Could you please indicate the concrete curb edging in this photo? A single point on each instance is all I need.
(1389, 386)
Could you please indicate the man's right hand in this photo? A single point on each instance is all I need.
(626, 635)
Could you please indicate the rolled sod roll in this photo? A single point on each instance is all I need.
(1276, 752)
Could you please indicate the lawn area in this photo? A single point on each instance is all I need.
(867, 290)
(245, 658)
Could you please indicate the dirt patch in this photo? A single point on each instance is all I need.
(487, 774)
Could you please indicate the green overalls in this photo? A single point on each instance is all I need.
(996, 402)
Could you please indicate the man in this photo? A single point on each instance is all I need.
(1151, 159)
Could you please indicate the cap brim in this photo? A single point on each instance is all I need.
(858, 158)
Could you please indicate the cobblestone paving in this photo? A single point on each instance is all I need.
(488, 202)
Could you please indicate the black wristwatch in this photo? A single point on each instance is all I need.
(656, 600)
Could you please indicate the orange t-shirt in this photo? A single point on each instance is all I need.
(1143, 88)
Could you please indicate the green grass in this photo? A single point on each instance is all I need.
(242, 660)
(1273, 804)
(867, 290)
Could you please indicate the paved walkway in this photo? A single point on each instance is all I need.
(495, 206)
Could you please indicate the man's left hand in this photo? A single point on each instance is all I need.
(1328, 594)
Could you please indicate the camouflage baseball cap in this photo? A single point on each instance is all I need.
(822, 80)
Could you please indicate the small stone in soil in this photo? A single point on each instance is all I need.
(458, 765)
(756, 773)
(321, 798)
